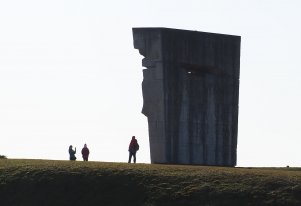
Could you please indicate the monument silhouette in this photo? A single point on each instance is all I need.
(190, 91)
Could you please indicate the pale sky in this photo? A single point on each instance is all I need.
(69, 74)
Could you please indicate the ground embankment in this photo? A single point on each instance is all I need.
(55, 183)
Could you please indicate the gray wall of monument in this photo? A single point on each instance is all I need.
(190, 90)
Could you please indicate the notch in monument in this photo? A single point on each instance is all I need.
(149, 63)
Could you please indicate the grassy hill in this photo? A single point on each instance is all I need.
(55, 183)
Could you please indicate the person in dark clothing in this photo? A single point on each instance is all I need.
(72, 153)
(85, 153)
(133, 148)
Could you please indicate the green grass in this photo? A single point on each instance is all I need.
(54, 183)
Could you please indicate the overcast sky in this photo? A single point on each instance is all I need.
(69, 75)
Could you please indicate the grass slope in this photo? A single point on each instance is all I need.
(54, 183)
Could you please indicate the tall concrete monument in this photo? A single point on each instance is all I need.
(190, 92)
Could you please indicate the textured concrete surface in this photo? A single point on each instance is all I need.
(190, 91)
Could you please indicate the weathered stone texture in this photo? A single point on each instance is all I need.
(190, 91)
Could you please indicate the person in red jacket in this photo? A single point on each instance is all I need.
(85, 152)
(133, 148)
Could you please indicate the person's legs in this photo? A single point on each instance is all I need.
(130, 157)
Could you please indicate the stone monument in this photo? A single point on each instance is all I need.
(190, 91)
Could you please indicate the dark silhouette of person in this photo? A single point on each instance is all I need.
(72, 153)
(133, 148)
(85, 153)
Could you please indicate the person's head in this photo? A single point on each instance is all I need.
(133, 137)
(85, 145)
(70, 147)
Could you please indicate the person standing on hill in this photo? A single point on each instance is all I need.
(133, 148)
(85, 153)
(72, 153)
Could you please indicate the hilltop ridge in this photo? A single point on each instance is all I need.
(49, 182)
